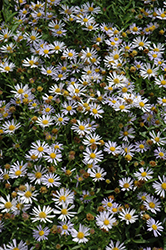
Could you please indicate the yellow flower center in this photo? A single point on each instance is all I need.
(109, 204)
(98, 175)
(18, 172)
(141, 44)
(151, 205)
(98, 39)
(94, 111)
(45, 122)
(149, 71)
(141, 146)
(125, 133)
(38, 175)
(81, 127)
(62, 198)
(33, 38)
(126, 185)
(49, 71)
(162, 15)
(28, 194)
(16, 248)
(60, 75)
(115, 248)
(42, 215)
(154, 227)
(40, 149)
(143, 197)
(114, 210)
(116, 56)
(163, 185)
(157, 139)
(135, 29)
(64, 211)
(5, 36)
(106, 222)
(60, 119)
(11, 127)
(7, 68)
(80, 235)
(92, 140)
(121, 107)
(164, 100)
(53, 155)
(85, 20)
(154, 55)
(163, 82)
(47, 109)
(41, 232)
(57, 47)
(45, 51)
(70, 54)
(161, 154)
(56, 27)
(20, 91)
(31, 62)
(65, 227)
(92, 155)
(128, 216)
(51, 180)
(88, 54)
(141, 104)
(116, 80)
(5, 176)
(112, 149)
(143, 174)
(77, 91)
(8, 205)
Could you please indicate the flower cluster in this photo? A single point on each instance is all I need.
(82, 127)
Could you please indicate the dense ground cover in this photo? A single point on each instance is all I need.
(82, 125)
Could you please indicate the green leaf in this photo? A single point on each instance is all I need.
(81, 208)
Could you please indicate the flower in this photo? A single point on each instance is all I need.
(63, 196)
(80, 236)
(97, 174)
(41, 233)
(27, 196)
(152, 204)
(111, 147)
(42, 215)
(7, 205)
(91, 139)
(160, 187)
(148, 71)
(6, 67)
(32, 62)
(14, 245)
(92, 156)
(81, 128)
(51, 180)
(64, 212)
(39, 148)
(155, 227)
(126, 183)
(156, 139)
(45, 121)
(37, 174)
(116, 246)
(105, 220)
(18, 170)
(53, 155)
(143, 174)
(10, 127)
(128, 216)
(66, 227)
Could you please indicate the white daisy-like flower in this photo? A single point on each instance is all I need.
(64, 212)
(148, 71)
(18, 169)
(45, 121)
(157, 139)
(112, 148)
(39, 148)
(80, 235)
(51, 180)
(117, 246)
(160, 187)
(6, 67)
(143, 174)
(81, 128)
(63, 196)
(126, 184)
(28, 195)
(7, 205)
(10, 127)
(155, 226)
(53, 155)
(91, 139)
(41, 233)
(128, 216)
(33, 62)
(97, 174)
(152, 204)
(14, 245)
(91, 156)
(105, 220)
(42, 215)
(66, 227)
(37, 174)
